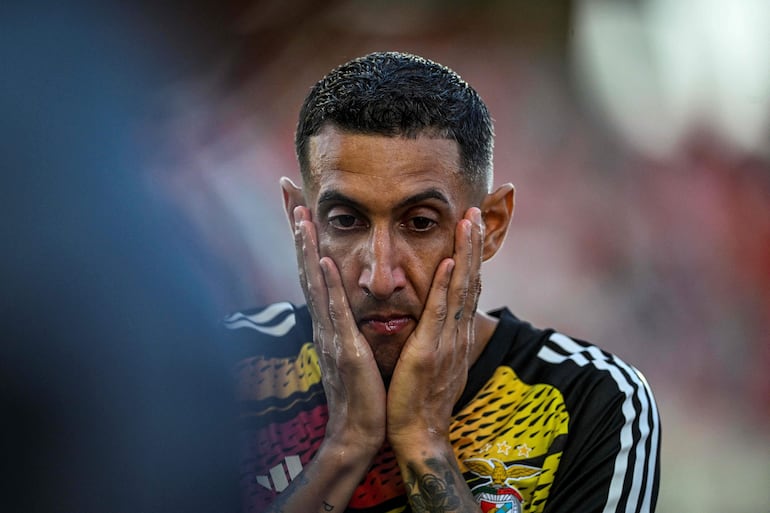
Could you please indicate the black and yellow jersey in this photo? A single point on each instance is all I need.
(546, 423)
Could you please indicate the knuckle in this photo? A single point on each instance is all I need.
(477, 293)
(441, 312)
(334, 313)
(462, 295)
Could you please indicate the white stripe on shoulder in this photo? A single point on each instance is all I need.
(267, 314)
(635, 385)
(278, 330)
(261, 321)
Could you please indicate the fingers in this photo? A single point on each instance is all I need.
(354, 390)
(435, 312)
(339, 313)
(464, 287)
(474, 281)
(322, 286)
(476, 257)
(311, 276)
(438, 352)
(454, 294)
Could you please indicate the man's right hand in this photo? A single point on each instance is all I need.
(355, 393)
(354, 389)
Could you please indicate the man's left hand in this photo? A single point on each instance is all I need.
(432, 370)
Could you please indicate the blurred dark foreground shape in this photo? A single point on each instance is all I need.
(113, 394)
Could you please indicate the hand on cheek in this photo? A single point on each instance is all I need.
(354, 389)
(432, 370)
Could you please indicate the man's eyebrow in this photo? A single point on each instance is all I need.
(431, 193)
(334, 196)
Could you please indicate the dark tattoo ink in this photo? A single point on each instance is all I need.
(429, 493)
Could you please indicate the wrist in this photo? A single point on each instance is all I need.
(350, 449)
(420, 444)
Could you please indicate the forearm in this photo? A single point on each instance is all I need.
(434, 482)
(326, 484)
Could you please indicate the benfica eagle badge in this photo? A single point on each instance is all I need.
(497, 495)
(498, 500)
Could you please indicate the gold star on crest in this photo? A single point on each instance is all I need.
(503, 447)
(523, 450)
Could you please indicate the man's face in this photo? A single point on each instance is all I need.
(386, 210)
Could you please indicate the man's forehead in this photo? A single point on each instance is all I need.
(339, 156)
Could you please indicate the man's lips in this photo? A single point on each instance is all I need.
(386, 325)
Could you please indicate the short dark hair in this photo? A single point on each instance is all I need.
(399, 94)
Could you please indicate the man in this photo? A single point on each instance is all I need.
(389, 388)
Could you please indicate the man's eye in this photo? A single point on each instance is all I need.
(345, 222)
(421, 224)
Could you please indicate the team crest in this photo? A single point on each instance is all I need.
(498, 495)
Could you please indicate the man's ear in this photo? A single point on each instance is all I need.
(497, 212)
(292, 198)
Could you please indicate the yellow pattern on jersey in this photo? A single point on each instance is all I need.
(530, 417)
(260, 377)
(508, 423)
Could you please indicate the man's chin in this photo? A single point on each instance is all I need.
(386, 371)
(386, 354)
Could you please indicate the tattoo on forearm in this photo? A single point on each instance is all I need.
(429, 493)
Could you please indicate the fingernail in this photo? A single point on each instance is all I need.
(298, 212)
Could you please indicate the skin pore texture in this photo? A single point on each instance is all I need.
(389, 239)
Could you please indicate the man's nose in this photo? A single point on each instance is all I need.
(381, 273)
